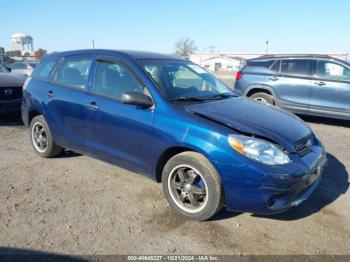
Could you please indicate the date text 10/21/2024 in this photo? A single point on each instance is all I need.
(173, 258)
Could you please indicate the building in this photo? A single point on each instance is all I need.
(199, 57)
(24, 43)
(222, 63)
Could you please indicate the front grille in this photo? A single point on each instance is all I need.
(10, 93)
(303, 146)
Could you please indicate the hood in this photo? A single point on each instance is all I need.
(11, 79)
(253, 118)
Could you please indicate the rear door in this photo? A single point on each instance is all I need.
(331, 88)
(293, 84)
(67, 108)
(119, 133)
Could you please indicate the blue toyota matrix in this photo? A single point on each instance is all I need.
(169, 119)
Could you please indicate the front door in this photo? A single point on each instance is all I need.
(119, 133)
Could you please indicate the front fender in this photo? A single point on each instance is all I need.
(194, 133)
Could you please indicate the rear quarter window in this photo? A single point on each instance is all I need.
(264, 63)
(44, 69)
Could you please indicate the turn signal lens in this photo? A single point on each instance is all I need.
(236, 144)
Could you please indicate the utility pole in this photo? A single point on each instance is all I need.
(93, 43)
(2, 55)
(267, 46)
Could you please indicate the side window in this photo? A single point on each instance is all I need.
(276, 66)
(183, 79)
(332, 71)
(296, 67)
(73, 72)
(113, 79)
(44, 69)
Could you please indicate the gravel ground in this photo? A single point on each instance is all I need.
(74, 204)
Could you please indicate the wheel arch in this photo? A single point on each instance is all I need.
(164, 158)
(33, 113)
(30, 108)
(260, 88)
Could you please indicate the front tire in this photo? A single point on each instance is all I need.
(192, 186)
(42, 139)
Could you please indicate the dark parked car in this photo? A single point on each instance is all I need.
(10, 91)
(306, 84)
(169, 119)
(22, 68)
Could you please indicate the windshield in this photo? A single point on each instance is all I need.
(182, 79)
(3, 69)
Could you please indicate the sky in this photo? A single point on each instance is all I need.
(290, 26)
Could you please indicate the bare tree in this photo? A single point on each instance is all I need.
(185, 47)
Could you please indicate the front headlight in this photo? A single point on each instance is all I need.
(259, 150)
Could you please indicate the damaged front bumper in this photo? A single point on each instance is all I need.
(266, 190)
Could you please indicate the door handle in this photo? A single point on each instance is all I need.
(274, 78)
(50, 93)
(321, 83)
(93, 106)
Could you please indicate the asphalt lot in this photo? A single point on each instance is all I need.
(74, 204)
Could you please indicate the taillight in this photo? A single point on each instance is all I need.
(26, 82)
(239, 75)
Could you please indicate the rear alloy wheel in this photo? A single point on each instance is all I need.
(41, 138)
(192, 186)
(263, 98)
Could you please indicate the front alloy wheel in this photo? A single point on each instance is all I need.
(192, 186)
(188, 188)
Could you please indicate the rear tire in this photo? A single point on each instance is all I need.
(199, 195)
(263, 98)
(42, 139)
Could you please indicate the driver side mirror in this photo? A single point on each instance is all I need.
(138, 99)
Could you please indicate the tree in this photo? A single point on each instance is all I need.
(39, 53)
(185, 47)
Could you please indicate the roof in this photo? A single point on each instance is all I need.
(130, 53)
(305, 56)
(21, 36)
(292, 56)
(242, 59)
(223, 57)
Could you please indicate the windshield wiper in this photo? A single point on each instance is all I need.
(187, 98)
(220, 96)
(204, 98)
